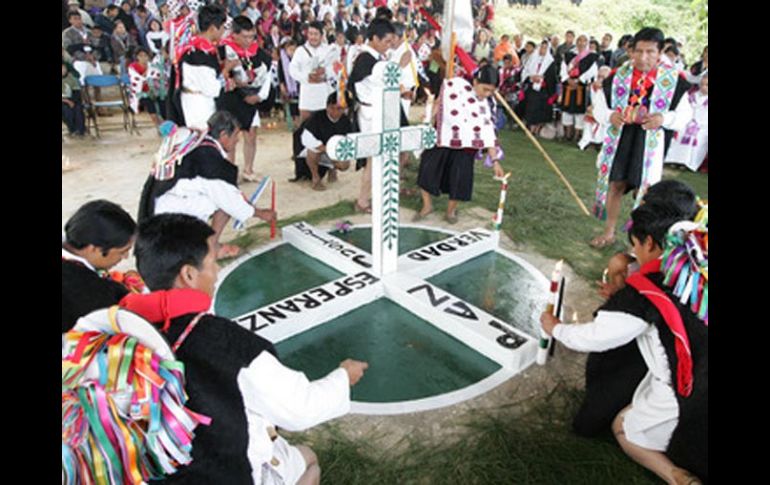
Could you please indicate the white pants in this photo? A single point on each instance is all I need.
(569, 119)
(290, 465)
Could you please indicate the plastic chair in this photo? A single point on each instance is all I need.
(91, 104)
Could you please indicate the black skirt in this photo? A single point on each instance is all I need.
(233, 102)
(447, 171)
(629, 157)
(536, 107)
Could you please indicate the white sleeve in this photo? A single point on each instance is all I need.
(309, 141)
(287, 398)
(608, 331)
(150, 43)
(563, 74)
(601, 111)
(264, 90)
(228, 198)
(589, 75)
(201, 78)
(676, 120)
(299, 68)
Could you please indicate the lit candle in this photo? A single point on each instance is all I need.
(500, 205)
(272, 207)
(545, 339)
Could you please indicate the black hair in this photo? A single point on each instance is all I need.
(141, 8)
(594, 42)
(669, 40)
(222, 121)
(624, 39)
(529, 42)
(383, 13)
(166, 243)
(72, 13)
(672, 48)
(569, 32)
(112, 7)
(139, 50)
(399, 28)
(675, 194)
(101, 223)
(319, 26)
(649, 34)
(211, 15)
(652, 219)
(380, 28)
(507, 57)
(487, 74)
(241, 23)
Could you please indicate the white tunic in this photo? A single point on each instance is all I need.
(691, 144)
(275, 395)
(312, 96)
(407, 76)
(202, 84)
(654, 411)
(366, 91)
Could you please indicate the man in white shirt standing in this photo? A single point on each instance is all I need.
(308, 67)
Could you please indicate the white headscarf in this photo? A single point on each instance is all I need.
(537, 64)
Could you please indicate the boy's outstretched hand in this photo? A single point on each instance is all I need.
(355, 369)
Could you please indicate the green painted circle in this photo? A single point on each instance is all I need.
(409, 358)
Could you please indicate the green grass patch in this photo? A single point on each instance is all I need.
(539, 210)
(504, 446)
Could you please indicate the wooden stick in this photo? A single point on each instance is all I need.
(450, 70)
(543, 152)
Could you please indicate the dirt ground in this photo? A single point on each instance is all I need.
(116, 165)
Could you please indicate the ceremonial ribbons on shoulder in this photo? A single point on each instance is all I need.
(129, 424)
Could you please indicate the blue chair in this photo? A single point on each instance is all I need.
(91, 104)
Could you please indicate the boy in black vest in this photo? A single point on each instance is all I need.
(97, 237)
(233, 375)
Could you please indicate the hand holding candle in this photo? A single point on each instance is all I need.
(545, 340)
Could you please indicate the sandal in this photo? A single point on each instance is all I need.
(451, 219)
(362, 210)
(418, 216)
(228, 251)
(249, 177)
(600, 242)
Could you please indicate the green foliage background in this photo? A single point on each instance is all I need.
(685, 20)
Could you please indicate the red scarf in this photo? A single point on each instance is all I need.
(673, 319)
(165, 305)
(198, 43)
(242, 53)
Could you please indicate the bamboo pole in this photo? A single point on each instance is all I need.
(543, 152)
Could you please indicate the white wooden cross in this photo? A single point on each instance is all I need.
(384, 144)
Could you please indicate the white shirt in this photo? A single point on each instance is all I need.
(74, 257)
(205, 85)
(312, 96)
(85, 68)
(365, 91)
(654, 402)
(275, 395)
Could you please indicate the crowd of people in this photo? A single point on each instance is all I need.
(208, 72)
